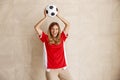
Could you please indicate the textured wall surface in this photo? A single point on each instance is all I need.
(93, 46)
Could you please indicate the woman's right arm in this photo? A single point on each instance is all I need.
(38, 25)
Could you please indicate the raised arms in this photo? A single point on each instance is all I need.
(38, 25)
(67, 25)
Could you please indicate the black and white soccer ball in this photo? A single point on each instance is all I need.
(51, 10)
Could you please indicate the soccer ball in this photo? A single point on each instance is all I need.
(51, 10)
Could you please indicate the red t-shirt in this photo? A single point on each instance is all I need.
(55, 56)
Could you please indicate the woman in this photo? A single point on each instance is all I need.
(55, 59)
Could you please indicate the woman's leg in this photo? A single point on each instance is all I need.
(52, 75)
(64, 74)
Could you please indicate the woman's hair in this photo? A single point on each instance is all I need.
(54, 40)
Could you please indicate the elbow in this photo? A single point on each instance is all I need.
(35, 28)
(67, 24)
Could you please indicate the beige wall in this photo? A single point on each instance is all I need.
(93, 46)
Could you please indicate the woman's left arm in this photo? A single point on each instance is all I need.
(67, 24)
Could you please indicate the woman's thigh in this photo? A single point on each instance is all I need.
(64, 75)
(52, 75)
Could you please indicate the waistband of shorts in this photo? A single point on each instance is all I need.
(48, 70)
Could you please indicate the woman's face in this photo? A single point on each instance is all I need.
(54, 31)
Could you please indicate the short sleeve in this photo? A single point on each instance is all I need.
(63, 36)
(43, 37)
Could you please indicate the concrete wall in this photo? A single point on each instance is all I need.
(93, 46)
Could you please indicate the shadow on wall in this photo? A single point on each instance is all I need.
(37, 59)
